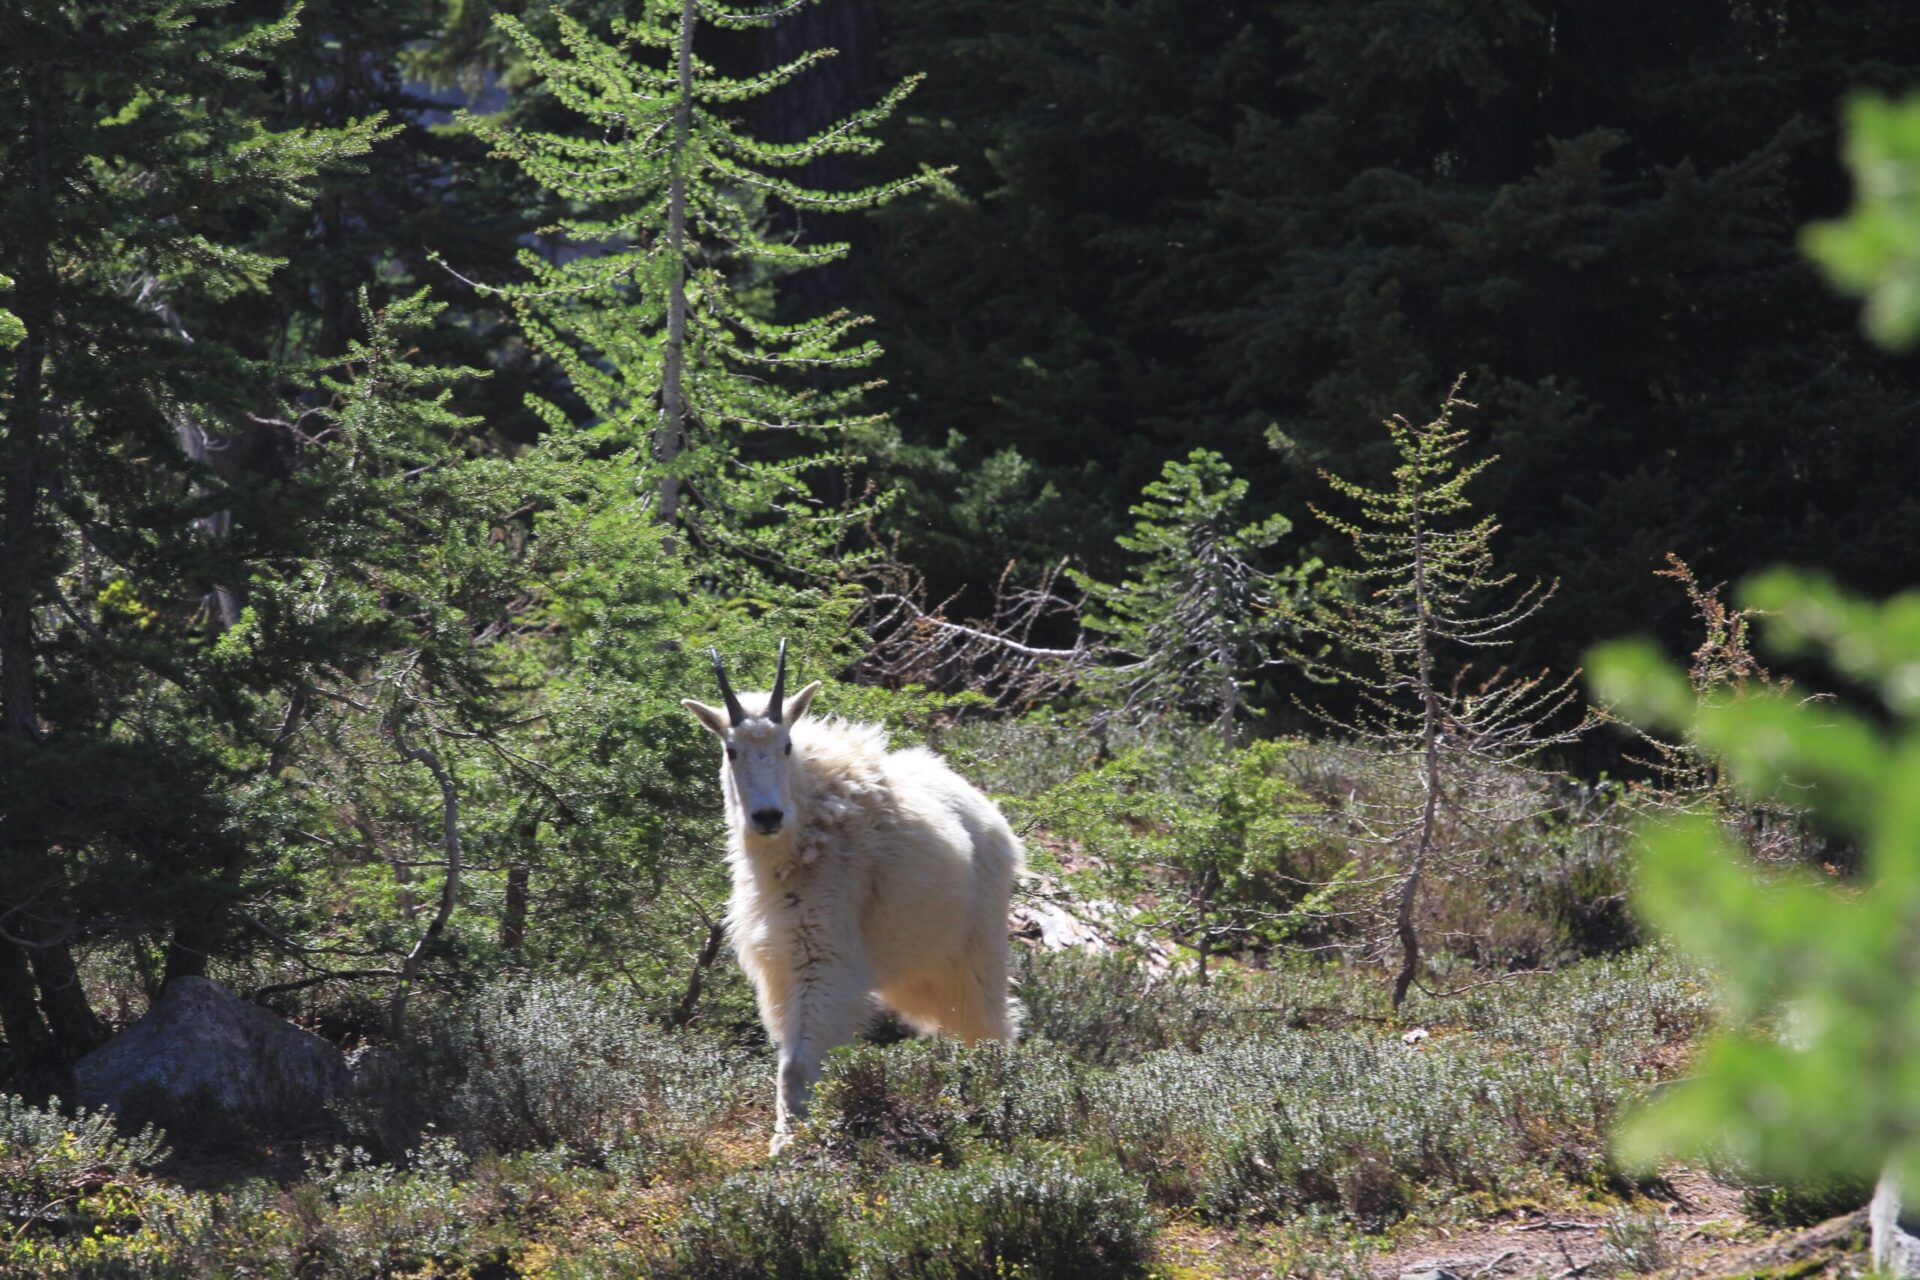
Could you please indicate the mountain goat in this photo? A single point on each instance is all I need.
(859, 873)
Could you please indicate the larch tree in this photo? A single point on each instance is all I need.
(656, 301)
(1403, 624)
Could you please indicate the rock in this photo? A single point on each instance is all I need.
(1433, 1273)
(202, 1047)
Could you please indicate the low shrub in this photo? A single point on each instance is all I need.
(881, 1103)
(1635, 1243)
(1355, 1122)
(1804, 1204)
(76, 1193)
(542, 1063)
(786, 1225)
(1042, 1216)
(359, 1217)
(1107, 1008)
(930, 1099)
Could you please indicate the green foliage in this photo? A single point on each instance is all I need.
(1405, 624)
(65, 1175)
(784, 1225)
(1874, 252)
(128, 534)
(1804, 1204)
(659, 316)
(543, 1063)
(1279, 1100)
(1106, 1009)
(1171, 228)
(1637, 1243)
(1043, 1215)
(1197, 612)
(11, 329)
(1818, 978)
(1209, 848)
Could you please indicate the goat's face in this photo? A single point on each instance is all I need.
(758, 773)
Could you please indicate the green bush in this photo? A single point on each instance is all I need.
(542, 1063)
(787, 1225)
(1043, 1218)
(879, 1103)
(1805, 1203)
(930, 1099)
(1098, 1005)
(74, 1191)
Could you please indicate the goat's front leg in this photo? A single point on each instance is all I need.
(792, 1091)
(824, 1008)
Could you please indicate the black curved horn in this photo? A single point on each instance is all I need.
(779, 684)
(735, 712)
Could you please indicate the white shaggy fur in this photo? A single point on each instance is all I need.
(888, 878)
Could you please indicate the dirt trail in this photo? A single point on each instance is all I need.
(1702, 1233)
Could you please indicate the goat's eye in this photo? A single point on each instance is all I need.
(789, 748)
(732, 754)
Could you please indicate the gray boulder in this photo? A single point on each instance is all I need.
(201, 1047)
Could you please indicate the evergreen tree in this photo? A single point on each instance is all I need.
(656, 310)
(1202, 223)
(125, 173)
(1198, 613)
(430, 187)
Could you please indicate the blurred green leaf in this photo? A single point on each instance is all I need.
(1634, 679)
(1817, 1070)
(1874, 252)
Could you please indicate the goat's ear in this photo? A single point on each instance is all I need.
(713, 717)
(797, 704)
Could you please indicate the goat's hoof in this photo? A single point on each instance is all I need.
(781, 1141)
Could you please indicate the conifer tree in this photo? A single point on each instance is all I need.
(655, 307)
(1198, 612)
(1423, 596)
(125, 170)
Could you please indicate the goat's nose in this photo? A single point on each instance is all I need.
(767, 820)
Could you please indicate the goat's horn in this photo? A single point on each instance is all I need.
(735, 712)
(779, 684)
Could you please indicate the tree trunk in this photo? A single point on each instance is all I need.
(513, 915)
(1404, 925)
(187, 950)
(671, 437)
(1896, 1231)
(77, 1030)
(23, 564)
(690, 998)
(27, 1037)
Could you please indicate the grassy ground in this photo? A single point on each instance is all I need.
(1281, 1120)
(1276, 1123)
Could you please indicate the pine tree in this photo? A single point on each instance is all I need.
(655, 306)
(124, 174)
(1204, 220)
(1425, 590)
(1198, 613)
